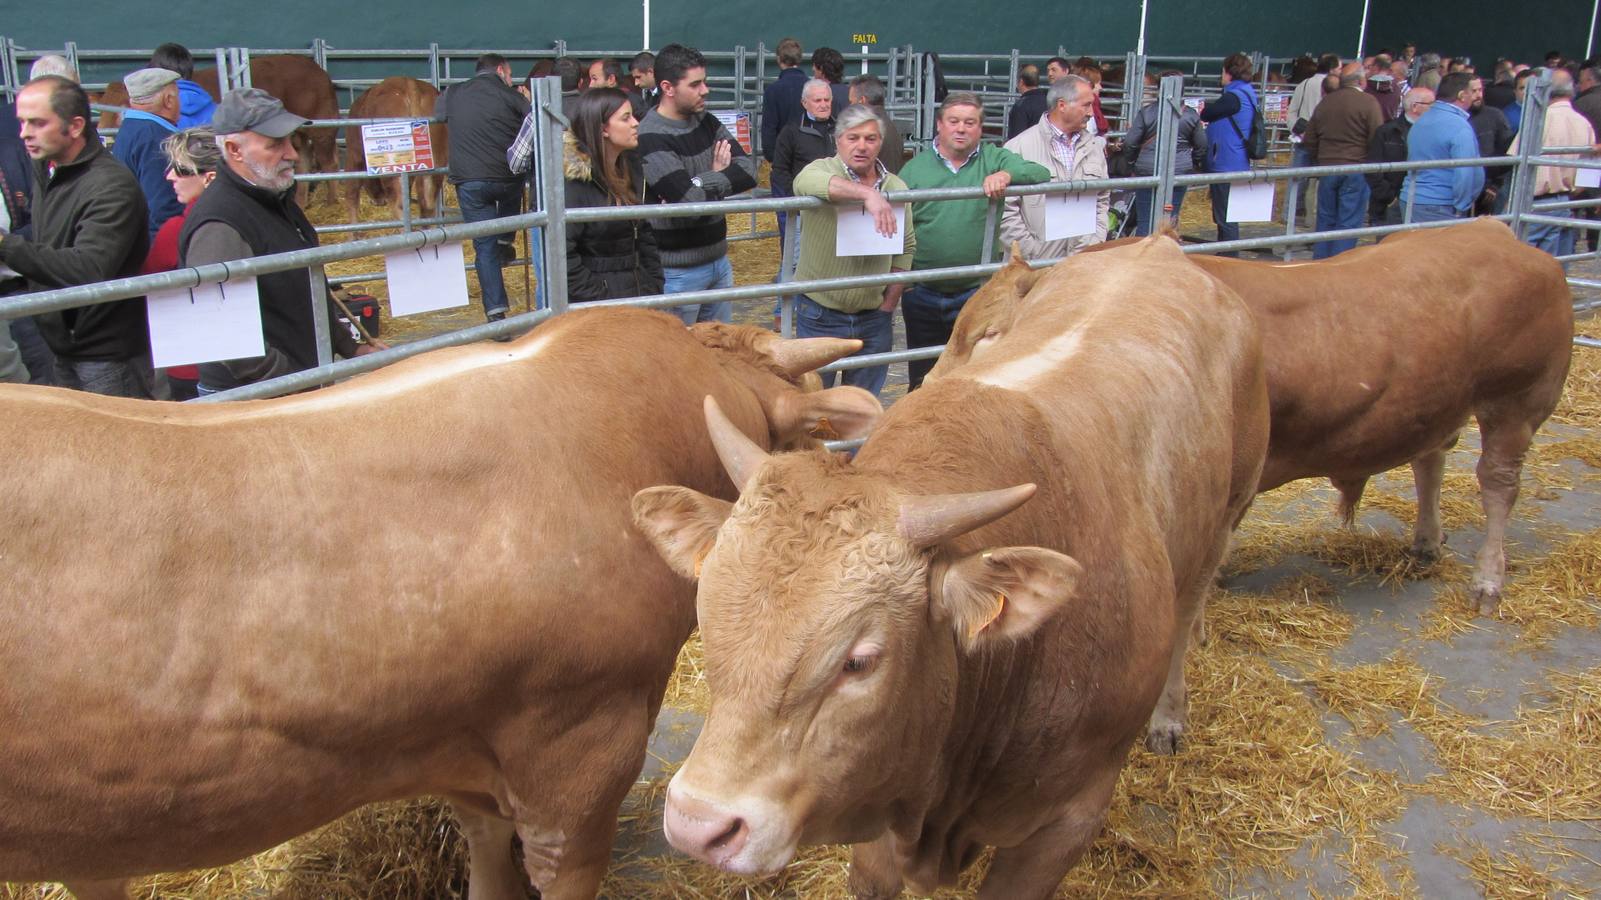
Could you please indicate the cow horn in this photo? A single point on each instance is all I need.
(740, 455)
(932, 519)
(797, 356)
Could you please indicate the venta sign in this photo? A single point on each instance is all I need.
(395, 147)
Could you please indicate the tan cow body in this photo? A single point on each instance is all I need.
(397, 97)
(1377, 357)
(227, 625)
(896, 662)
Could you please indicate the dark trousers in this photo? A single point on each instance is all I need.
(929, 317)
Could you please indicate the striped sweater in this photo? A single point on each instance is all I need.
(676, 152)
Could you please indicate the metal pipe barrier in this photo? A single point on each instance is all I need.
(552, 220)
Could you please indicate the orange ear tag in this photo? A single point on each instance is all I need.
(824, 431)
(1000, 606)
(700, 560)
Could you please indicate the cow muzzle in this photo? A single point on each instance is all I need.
(745, 838)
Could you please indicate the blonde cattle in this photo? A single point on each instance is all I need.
(954, 640)
(227, 625)
(1376, 358)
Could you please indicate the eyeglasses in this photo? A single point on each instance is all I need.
(184, 172)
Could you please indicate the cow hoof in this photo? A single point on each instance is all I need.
(1426, 554)
(1165, 740)
(1486, 598)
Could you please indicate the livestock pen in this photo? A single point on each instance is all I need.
(1355, 729)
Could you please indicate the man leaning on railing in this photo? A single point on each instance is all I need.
(250, 210)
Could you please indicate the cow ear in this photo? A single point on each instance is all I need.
(1004, 594)
(681, 523)
(842, 412)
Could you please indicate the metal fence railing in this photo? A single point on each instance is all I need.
(547, 230)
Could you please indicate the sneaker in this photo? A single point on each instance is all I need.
(497, 316)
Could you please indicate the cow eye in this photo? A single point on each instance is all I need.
(859, 665)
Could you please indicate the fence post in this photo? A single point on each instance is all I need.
(433, 64)
(405, 201)
(224, 85)
(1169, 109)
(1536, 99)
(761, 86)
(561, 48)
(1011, 88)
(72, 57)
(1133, 92)
(547, 105)
(319, 52)
(319, 314)
(739, 77)
(8, 62)
(991, 215)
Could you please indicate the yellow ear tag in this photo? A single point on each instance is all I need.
(1000, 606)
(824, 431)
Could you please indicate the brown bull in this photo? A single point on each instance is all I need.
(302, 85)
(1376, 358)
(227, 625)
(908, 653)
(397, 97)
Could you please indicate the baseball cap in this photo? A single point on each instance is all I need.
(253, 109)
(143, 84)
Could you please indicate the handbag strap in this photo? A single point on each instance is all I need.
(1236, 125)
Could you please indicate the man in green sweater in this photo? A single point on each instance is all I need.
(854, 175)
(951, 232)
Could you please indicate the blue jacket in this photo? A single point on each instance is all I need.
(781, 105)
(1226, 146)
(1443, 133)
(1514, 115)
(195, 106)
(138, 147)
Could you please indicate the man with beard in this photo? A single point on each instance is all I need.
(249, 210)
(89, 225)
(1494, 133)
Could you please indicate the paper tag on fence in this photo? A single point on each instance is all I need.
(1251, 202)
(1069, 215)
(857, 237)
(426, 279)
(1587, 178)
(205, 324)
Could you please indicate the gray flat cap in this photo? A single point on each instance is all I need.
(144, 84)
(253, 109)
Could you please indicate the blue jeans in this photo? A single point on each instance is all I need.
(110, 377)
(1553, 239)
(718, 273)
(1226, 231)
(479, 201)
(1145, 198)
(1341, 202)
(1429, 212)
(874, 328)
(929, 317)
(1300, 159)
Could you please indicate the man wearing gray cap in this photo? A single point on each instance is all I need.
(249, 210)
(153, 96)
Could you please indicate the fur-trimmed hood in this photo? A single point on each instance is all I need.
(575, 163)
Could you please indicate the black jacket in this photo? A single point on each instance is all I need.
(1494, 132)
(88, 226)
(267, 222)
(607, 260)
(484, 116)
(1388, 144)
(801, 143)
(1026, 112)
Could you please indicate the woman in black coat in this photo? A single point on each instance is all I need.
(607, 260)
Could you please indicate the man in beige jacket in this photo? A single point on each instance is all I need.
(1061, 142)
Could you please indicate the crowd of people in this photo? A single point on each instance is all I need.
(189, 181)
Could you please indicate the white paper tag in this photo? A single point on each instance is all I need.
(1250, 202)
(856, 235)
(205, 324)
(1587, 178)
(426, 279)
(1069, 215)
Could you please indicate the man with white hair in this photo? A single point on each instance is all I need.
(53, 64)
(250, 210)
(88, 226)
(853, 175)
(1564, 127)
(806, 139)
(1060, 140)
(153, 115)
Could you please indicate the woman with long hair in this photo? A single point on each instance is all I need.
(607, 260)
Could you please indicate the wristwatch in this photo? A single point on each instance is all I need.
(696, 181)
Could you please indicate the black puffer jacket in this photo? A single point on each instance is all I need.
(607, 260)
(800, 144)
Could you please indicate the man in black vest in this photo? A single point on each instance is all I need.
(250, 211)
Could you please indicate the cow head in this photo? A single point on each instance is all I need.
(832, 611)
(987, 314)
